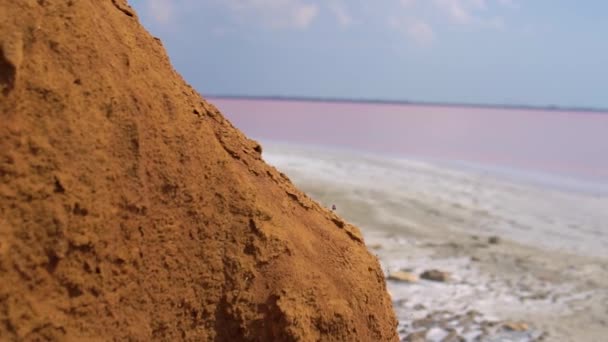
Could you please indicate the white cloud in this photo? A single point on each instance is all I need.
(276, 13)
(479, 4)
(301, 14)
(160, 10)
(475, 14)
(304, 15)
(341, 13)
(420, 32)
(408, 3)
(462, 12)
(509, 3)
(415, 29)
(459, 11)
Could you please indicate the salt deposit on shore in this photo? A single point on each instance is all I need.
(545, 276)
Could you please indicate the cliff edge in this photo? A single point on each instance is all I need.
(130, 208)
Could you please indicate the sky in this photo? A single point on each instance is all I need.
(517, 52)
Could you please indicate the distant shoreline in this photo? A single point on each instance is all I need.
(410, 103)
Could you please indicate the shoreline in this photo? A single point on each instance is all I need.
(408, 192)
(543, 179)
(546, 108)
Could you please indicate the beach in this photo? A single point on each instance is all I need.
(526, 261)
(134, 209)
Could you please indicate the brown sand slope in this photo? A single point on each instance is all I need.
(130, 208)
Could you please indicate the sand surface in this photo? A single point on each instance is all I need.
(131, 209)
(560, 297)
(547, 270)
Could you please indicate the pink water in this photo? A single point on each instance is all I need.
(561, 143)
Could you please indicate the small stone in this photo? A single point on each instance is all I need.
(436, 275)
(419, 307)
(418, 336)
(403, 276)
(453, 337)
(515, 326)
(542, 337)
(494, 240)
(375, 246)
(437, 334)
(426, 322)
(473, 313)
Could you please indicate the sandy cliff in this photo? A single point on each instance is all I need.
(130, 208)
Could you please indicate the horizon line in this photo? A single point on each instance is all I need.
(555, 108)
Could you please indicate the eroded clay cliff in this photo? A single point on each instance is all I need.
(131, 208)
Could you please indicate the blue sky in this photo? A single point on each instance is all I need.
(536, 52)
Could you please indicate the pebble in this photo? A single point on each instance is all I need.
(403, 276)
(435, 275)
(494, 240)
(515, 326)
